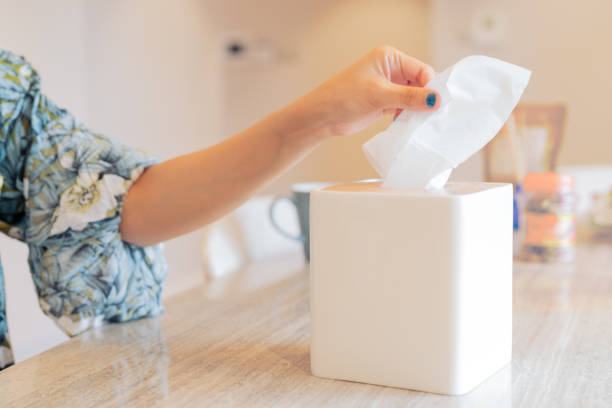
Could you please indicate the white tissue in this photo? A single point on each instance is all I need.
(420, 149)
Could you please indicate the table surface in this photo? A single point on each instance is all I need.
(243, 341)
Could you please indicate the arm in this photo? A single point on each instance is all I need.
(185, 193)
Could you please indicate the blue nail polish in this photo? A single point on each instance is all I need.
(394, 118)
(431, 100)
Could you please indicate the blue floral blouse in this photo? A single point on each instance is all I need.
(62, 188)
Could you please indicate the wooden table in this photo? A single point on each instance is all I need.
(243, 341)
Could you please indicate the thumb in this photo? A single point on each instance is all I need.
(410, 98)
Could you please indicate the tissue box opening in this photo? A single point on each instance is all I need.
(411, 288)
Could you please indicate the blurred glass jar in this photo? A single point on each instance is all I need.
(549, 222)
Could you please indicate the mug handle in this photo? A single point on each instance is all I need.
(276, 226)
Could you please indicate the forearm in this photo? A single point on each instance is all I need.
(185, 193)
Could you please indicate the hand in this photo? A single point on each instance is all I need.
(385, 81)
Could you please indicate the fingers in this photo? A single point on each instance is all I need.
(414, 70)
(409, 97)
(405, 76)
(403, 69)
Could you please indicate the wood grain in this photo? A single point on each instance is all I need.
(243, 341)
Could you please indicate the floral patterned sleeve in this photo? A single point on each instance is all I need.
(62, 193)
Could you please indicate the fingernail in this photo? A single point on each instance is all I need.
(394, 118)
(431, 100)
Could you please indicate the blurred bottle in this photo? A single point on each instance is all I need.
(549, 221)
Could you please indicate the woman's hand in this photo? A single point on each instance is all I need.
(188, 192)
(385, 81)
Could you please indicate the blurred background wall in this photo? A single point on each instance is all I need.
(157, 74)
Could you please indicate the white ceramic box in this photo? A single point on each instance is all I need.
(411, 288)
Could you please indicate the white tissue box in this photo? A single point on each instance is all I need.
(411, 288)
